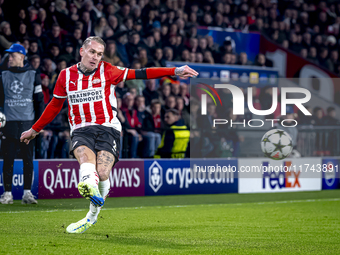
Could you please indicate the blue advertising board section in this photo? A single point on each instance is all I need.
(241, 42)
(242, 76)
(330, 177)
(18, 179)
(175, 177)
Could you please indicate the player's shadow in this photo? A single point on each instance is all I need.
(127, 238)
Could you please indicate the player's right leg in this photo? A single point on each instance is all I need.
(108, 147)
(105, 162)
(83, 148)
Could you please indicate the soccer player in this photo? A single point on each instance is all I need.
(95, 129)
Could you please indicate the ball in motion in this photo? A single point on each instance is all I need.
(276, 144)
(2, 120)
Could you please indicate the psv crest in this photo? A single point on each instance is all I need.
(96, 81)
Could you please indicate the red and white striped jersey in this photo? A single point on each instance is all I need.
(89, 97)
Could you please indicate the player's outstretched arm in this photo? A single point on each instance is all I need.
(159, 72)
(51, 111)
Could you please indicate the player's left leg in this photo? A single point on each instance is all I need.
(105, 162)
(108, 147)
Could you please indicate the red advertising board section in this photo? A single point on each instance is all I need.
(59, 179)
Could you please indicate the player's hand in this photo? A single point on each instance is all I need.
(185, 72)
(28, 135)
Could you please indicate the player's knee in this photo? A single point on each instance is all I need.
(84, 155)
(85, 158)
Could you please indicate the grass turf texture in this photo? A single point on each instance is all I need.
(278, 223)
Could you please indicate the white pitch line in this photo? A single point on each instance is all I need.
(179, 206)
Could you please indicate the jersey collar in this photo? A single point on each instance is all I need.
(87, 73)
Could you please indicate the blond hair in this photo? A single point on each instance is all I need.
(93, 38)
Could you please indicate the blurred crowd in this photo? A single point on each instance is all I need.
(147, 33)
(308, 28)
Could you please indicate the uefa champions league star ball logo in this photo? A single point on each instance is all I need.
(17, 87)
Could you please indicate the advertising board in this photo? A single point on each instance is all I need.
(175, 177)
(259, 175)
(59, 179)
(330, 177)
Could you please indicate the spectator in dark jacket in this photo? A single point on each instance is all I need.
(132, 124)
(121, 43)
(324, 61)
(133, 45)
(150, 92)
(53, 36)
(244, 59)
(329, 119)
(151, 139)
(88, 28)
(36, 35)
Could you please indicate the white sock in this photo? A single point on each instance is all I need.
(104, 188)
(89, 174)
(26, 191)
(8, 193)
(93, 213)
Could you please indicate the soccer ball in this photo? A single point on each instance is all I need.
(276, 144)
(2, 120)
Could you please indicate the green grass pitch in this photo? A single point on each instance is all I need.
(278, 223)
